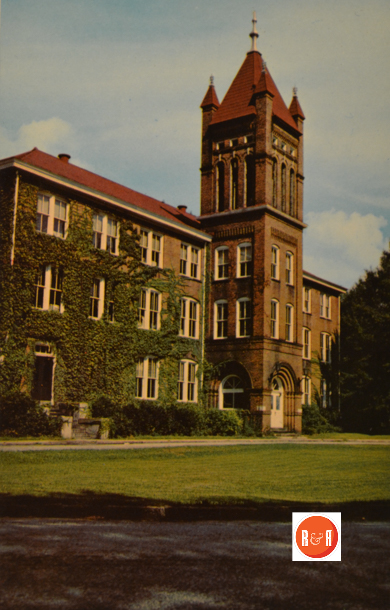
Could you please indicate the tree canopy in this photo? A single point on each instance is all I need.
(365, 352)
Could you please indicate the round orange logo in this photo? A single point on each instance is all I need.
(316, 536)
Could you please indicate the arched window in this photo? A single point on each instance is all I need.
(220, 186)
(283, 188)
(289, 268)
(292, 193)
(249, 181)
(274, 183)
(275, 262)
(232, 393)
(234, 184)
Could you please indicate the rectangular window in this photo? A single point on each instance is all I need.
(146, 378)
(244, 318)
(325, 347)
(289, 268)
(221, 320)
(112, 231)
(151, 248)
(52, 216)
(189, 316)
(306, 398)
(324, 305)
(306, 300)
(183, 259)
(324, 395)
(275, 319)
(222, 263)
(97, 226)
(105, 233)
(48, 288)
(244, 255)
(149, 309)
(96, 301)
(154, 310)
(187, 385)
(194, 263)
(289, 323)
(306, 344)
(275, 263)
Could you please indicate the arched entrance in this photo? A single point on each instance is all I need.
(277, 403)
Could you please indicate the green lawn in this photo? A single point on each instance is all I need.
(216, 474)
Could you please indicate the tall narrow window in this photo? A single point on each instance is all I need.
(144, 246)
(244, 260)
(324, 305)
(244, 318)
(221, 319)
(275, 319)
(289, 268)
(292, 193)
(222, 263)
(189, 318)
(149, 309)
(306, 387)
(151, 245)
(96, 300)
(59, 224)
(249, 181)
(275, 262)
(194, 272)
(187, 383)
(274, 183)
(183, 258)
(48, 288)
(112, 235)
(325, 347)
(234, 184)
(289, 322)
(220, 186)
(40, 282)
(97, 227)
(156, 249)
(43, 212)
(306, 341)
(52, 216)
(283, 188)
(306, 300)
(324, 395)
(55, 296)
(146, 375)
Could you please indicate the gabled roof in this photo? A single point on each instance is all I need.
(41, 160)
(315, 279)
(238, 101)
(295, 107)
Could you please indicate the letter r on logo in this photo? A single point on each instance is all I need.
(305, 535)
(328, 537)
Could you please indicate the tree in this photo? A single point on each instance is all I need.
(365, 352)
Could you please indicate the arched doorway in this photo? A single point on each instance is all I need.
(277, 403)
(232, 393)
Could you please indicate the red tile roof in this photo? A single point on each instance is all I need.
(41, 160)
(211, 98)
(237, 101)
(295, 108)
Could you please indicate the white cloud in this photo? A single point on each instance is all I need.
(340, 246)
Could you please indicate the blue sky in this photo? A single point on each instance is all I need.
(117, 84)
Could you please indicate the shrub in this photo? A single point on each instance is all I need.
(22, 416)
(314, 421)
(224, 423)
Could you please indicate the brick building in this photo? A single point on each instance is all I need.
(79, 318)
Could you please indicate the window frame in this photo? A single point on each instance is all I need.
(46, 289)
(148, 253)
(275, 262)
(144, 382)
(289, 323)
(147, 323)
(187, 387)
(221, 323)
(234, 182)
(326, 347)
(325, 306)
(289, 268)
(51, 217)
(307, 290)
(189, 326)
(246, 264)
(306, 390)
(106, 239)
(190, 267)
(243, 322)
(100, 299)
(224, 265)
(274, 320)
(306, 345)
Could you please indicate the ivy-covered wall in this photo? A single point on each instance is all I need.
(93, 357)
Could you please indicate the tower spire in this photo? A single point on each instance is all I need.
(254, 35)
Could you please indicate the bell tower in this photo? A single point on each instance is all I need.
(251, 204)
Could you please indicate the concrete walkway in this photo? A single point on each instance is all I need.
(66, 445)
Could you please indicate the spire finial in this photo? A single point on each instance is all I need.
(254, 35)
(212, 81)
(295, 91)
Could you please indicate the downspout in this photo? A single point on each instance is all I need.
(16, 197)
(204, 280)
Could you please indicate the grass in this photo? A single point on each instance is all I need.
(216, 475)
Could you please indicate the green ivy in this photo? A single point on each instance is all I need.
(93, 357)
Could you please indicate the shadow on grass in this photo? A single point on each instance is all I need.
(90, 505)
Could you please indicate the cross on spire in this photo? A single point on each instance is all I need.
(254, 35)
